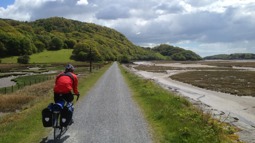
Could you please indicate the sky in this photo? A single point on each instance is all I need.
(207, 27)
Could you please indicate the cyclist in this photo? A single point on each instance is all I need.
(65, 83)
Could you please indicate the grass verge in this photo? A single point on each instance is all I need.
(172, 118)
(26, 126)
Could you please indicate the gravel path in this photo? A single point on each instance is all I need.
(107, 114)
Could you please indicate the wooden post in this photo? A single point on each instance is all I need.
(90, 60)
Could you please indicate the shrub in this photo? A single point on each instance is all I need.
(23, 59)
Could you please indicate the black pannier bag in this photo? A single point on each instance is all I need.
(47, 117)
(65, 116)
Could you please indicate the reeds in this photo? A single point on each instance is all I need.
(25, 97)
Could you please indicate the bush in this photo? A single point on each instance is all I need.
(23, 59)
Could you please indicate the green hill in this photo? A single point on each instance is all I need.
(236, 56)
(176, 53)
(86, 40)
(27, 38)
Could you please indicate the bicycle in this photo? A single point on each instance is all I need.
(60, 129)
(53, 117)
(56, 109)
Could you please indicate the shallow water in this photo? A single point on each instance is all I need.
(6, 81)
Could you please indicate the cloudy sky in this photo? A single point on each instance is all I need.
(207, 27)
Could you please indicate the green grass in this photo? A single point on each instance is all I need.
(26, 126)
(172, 118)
(60, 56)
(22, 126)
(15, 127)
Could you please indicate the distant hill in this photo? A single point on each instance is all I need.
(176, 53)
(26, 38)
(235, 56)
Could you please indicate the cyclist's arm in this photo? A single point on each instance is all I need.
(75, 85)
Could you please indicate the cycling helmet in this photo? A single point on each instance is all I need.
(69, 68)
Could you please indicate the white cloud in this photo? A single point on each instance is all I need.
(220, 25)
(82, 2)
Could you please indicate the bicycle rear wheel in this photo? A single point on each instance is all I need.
(56, 128)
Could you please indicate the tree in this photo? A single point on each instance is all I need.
(2, 50)
(45, 39)
(13, 47)
(70, 43)
(178, 57)
(125, 59)
(26, 47)
(176, 53)
(23, 59)
(82, 56)
(40, 46)
(86, 52)
(56, 44)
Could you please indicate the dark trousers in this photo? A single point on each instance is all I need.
(66, 97)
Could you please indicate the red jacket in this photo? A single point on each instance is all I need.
(65, 83)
